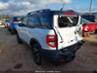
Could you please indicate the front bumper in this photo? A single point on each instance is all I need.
(60, 55)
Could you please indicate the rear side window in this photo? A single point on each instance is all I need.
(33, 21)
(46, 19)
(40, 20)
(66, 21)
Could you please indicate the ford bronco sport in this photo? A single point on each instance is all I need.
(51, 34)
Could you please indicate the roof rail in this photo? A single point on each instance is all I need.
(38, 11)
(44, 10)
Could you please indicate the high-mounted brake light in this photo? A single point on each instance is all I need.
(51, 41)
(69, 13)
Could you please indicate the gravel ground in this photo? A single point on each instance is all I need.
(18, 57)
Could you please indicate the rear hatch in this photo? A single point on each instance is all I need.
(68, 30)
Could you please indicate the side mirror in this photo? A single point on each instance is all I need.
(21, 24)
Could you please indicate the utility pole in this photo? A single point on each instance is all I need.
(90, 8)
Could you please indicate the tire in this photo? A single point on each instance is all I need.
(36, 54)
(18, 39)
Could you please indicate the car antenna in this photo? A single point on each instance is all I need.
(61, 9)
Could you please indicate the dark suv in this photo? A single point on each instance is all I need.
(13, 22)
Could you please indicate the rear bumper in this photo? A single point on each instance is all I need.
(60, 55)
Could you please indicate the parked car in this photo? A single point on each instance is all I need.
(14, 21)
(53, 35)
(89, 26)
(7, 23)
(90, 17)
(2, 23)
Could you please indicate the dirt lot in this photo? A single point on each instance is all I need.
(17, 57)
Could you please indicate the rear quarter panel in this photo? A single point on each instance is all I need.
(40, 35)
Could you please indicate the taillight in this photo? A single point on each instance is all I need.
(86, 28)
(51, 41)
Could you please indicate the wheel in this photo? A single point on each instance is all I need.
(36, 54)
(18, 39)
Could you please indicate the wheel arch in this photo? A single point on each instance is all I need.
(32, 41)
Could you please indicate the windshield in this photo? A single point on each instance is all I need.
(83, 21)
(66, 21)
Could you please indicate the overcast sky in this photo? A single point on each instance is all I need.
(21, 7)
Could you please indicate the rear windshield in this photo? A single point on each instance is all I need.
(17, 19)
(66, 21)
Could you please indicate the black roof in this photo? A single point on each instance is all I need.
(51, 11)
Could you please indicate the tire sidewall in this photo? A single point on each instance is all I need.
(36, 46)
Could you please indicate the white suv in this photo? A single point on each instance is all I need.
(55, 35)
